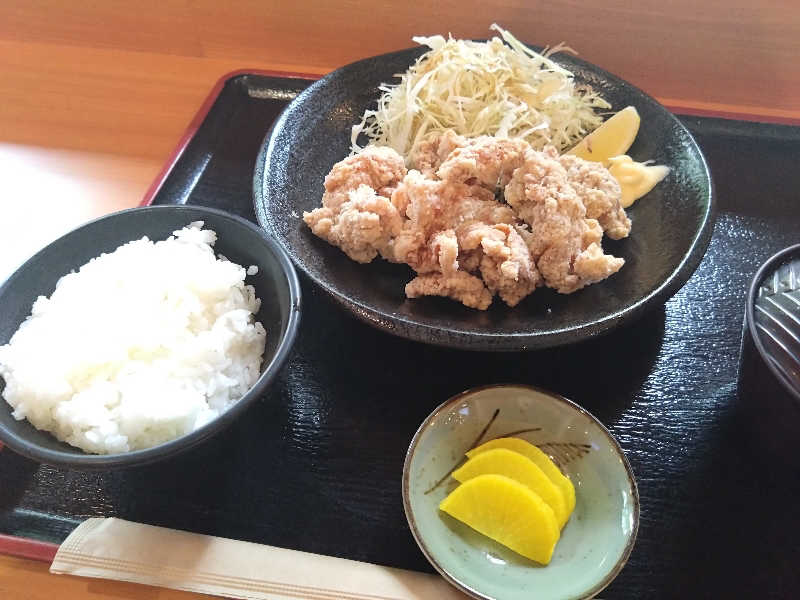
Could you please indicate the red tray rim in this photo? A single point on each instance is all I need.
(45, 551)
(27, 548)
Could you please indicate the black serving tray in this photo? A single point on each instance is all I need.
(316, 464)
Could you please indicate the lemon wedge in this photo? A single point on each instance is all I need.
(541, 460)
(501, 461)
(612, 138)
(508, 512)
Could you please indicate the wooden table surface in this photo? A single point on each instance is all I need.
(95, 95)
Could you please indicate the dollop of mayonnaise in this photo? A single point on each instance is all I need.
(635, 178)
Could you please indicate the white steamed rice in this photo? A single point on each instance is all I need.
(139, 347)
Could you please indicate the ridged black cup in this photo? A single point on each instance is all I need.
(769, 401)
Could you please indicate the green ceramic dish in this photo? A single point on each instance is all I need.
(596, 541)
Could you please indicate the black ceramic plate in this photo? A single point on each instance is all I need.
(671, 226)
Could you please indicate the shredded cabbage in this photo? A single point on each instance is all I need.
(481, 88)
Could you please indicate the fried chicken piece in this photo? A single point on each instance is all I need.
(600, 193)
(589, 266)
(461, 286)
(363, 226)
(378, 167)
(488, 160)
(433, 207)
(432, 152)
(563, 242)
(592, 265)
(356, 214)
(505, 264)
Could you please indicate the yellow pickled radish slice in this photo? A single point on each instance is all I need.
(519, 468)
(612, 138)
(541, 460)
(635, 178)
(508, 512)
